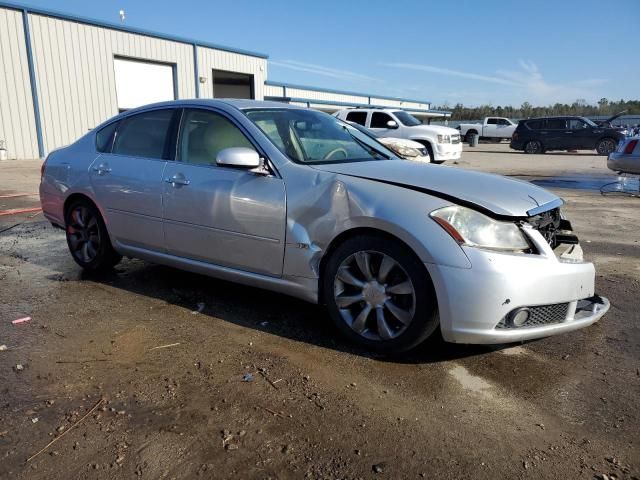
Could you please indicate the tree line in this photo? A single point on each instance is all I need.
(580, 107)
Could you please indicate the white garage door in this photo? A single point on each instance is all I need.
(139, 83)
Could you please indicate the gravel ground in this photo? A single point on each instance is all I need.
(191, 376)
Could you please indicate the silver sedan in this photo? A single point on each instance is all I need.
(296, 201)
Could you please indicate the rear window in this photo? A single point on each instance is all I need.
(357, 117)
(534, 124)
(144, 135)
(104, 138)
(556, 124)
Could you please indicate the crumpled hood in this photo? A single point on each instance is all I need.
(499, 195)
(399, 141)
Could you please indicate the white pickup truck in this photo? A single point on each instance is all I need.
(497, 128)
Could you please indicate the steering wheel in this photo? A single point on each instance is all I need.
(334, 151)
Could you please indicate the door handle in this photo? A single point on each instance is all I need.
(568, 133)
(102, 169)
(177, 180)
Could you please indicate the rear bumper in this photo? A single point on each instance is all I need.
(620, 162)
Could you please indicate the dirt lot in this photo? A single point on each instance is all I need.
(172, 378)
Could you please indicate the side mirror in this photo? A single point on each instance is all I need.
(238, 157)
(392, 124)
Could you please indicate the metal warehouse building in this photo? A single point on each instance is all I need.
(63, 75)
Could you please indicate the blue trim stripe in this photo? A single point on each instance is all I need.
(32, 80)
(310, 101)
(122, 28)
(342, 92)
(196, 69)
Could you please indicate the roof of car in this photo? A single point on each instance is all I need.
(240, 104)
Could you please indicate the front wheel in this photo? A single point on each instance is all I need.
(87, 237)
(533, 146)
(605, 146)
(379, 294)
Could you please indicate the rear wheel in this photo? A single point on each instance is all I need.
(87, 237)
(605, 146)
(379, 294)
(533, 146)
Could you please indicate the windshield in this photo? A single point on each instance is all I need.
(407, 119)
(364, 130)
(308, 136)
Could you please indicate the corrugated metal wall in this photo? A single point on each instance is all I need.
(75, 78)
(210, 59)
(17, 121)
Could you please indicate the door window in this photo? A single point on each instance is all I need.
(379, 120)
(556, 124)
(576, 124)
(492, 121)
(104, 138)
(534, 124)
(503, 122)
(204, 134)
(357, 117)
(145, 135)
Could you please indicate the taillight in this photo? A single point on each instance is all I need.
(628, 150)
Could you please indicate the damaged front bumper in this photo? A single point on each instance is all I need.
(478, 305)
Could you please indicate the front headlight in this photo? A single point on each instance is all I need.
(444, 139)
(406, 152)
(474, 229)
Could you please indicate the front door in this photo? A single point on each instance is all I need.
(226, 216)
(582, 134)
(127, 179)
(378, 124)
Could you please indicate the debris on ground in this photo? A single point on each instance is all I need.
(19, 367)
(247, 377)
(166, 346)
(3, 348)
(200, 308)
(378, 467)
(20, 320)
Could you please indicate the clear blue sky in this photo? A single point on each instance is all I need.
(474, 52)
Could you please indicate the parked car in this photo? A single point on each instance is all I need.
(407, 149)
(295, 201)
(626, 159)
(497, 128)
(539, 135)
(442, 143)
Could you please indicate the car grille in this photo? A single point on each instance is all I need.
(539, 316)
(455, 139)
(547, 223)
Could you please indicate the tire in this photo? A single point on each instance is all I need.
(467, 136)
(395, 310)
(533, 147)
(605, 146)
(429, 148)
(87, 237)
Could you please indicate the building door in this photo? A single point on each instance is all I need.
(140, 82)
(232, 85)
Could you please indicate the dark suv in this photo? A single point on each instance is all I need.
(538, 135)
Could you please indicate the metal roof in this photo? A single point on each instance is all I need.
(122, 28)
(355, 105)
(342, 92)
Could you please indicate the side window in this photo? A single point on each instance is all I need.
(144, 135)
(534, 124)
(104, 138)
(576, 124)
(379, 120)
(556, 124)
(502, 121)
(492, 121)
(357, 117)
(204, 134)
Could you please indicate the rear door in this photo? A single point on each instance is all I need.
(221, 215)
(127, 178)
(553, 135)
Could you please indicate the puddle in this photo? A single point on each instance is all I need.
(581, 182)
(470, 382)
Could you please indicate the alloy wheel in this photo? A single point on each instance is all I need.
(374, 295)
(532, 147)
(83, 233)
(605, 147)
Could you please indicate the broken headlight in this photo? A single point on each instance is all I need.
(468, 227)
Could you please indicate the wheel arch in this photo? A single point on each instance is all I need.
(351, 233)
